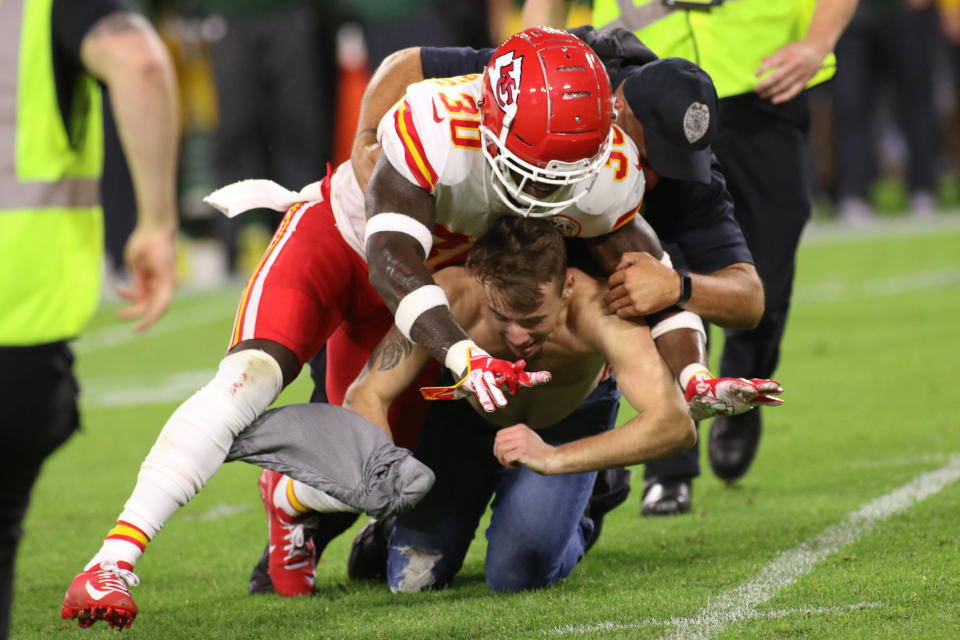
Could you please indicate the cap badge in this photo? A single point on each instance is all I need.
(696, 121)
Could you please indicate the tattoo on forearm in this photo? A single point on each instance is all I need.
(119, 22)
(392, 350)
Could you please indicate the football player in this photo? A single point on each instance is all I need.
(416, 136)
(444, 159)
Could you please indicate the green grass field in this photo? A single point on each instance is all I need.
(847, 526)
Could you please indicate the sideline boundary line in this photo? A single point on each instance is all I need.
(767, 615)
(732, 607)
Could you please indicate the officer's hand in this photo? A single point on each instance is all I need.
(708, 396)
(151, 263)
(641, 285)
(363, 156)
(520, 445)
(790, 68)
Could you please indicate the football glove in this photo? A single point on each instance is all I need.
(485, 377)
(708, 396)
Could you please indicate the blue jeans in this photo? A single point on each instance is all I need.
(537, 529)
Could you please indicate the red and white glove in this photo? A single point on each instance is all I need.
(485, 375)
(708, 396)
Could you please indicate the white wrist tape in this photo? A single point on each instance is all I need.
(400, 223)
(458, 357)
(689, 371)
(415, 304)
(682, 320)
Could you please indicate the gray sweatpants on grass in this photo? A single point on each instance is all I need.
(337, 451)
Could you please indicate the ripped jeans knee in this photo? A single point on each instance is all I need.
(410, 569)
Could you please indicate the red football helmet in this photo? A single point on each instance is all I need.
(545, 119)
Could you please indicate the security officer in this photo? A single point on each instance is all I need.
(761, 55)
(687, 203)
(52, 53)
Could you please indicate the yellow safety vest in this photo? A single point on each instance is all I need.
(51, 224)
(729, 41)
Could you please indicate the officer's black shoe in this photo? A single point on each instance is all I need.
(610, 490)
(733, 444)
(323, 527)
(260, 581)
(666, 497)
(368, 554)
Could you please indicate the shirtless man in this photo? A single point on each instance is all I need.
(517, 299)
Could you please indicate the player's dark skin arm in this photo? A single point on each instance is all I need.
(636, 236)
(396, 259)
(679, 347)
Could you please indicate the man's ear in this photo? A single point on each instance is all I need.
(618, 105)
(567, 285)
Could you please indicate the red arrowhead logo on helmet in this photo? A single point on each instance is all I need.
(506, 72)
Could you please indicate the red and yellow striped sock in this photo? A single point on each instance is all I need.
(126, 542)
(295, 503)
(129, 533)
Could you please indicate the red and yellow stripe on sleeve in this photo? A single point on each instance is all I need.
(414, 153)
(627, 217)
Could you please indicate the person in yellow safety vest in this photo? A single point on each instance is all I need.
(52, 55)
(761, 55)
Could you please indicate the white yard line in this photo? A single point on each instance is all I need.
(905, 461)
(185, 317)
(732, 607)
(879, 287)
(767, 615)
(217, 512)
(822, 233)
(129, 391)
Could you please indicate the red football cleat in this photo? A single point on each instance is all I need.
(102, 592)
(293, 559)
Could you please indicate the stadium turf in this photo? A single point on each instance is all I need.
(846, 526)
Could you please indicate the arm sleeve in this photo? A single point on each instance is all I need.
(696, 223)
(447, 62)
(413, 143)
(617, 49)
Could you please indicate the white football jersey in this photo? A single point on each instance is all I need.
(432, 137)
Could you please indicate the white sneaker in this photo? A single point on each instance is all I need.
(855, 212)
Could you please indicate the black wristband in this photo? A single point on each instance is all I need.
(685, 287)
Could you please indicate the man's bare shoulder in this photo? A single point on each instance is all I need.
(463, 292)
(587, 291)
(588, 318)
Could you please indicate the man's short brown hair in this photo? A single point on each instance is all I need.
(518, 256)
